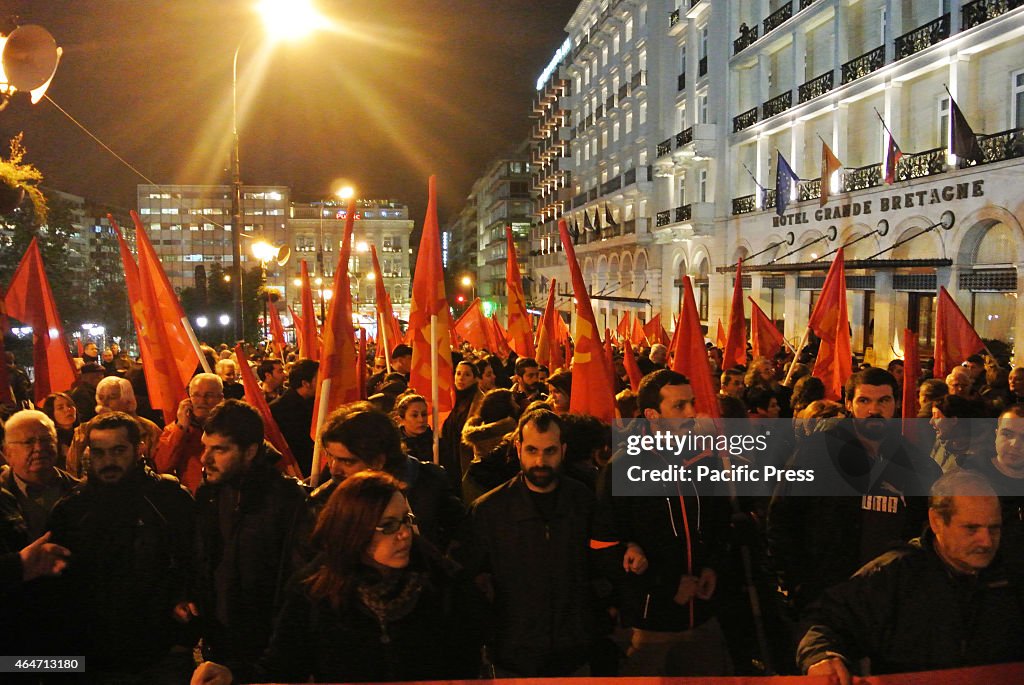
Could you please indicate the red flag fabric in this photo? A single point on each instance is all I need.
(339, 353)
(271, 431)
(162, 389)
(500, 338)
(298, 325)
(892, 158)
(735, 351)
(392, 331)
(567, 351)
(169, 341)
(276, 329)
(520, 330)
(79, 347)
(637, 335)
(655, 332)
(624, 328)
(765, 338)
(308, 341)
(547, 333)
(361, 364)
(30, 300)
(593, 391)
(721, 338)
(476, 329)
(831, 323)
(911, 374)
(429, 299)
(691, 356)
(632, 368)
(830, 164)
(955, 338)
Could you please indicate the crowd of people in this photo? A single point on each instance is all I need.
(493, 545)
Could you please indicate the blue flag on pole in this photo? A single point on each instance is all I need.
(784, 178)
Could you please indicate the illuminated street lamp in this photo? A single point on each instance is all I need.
(282, 19)
(264, 251)
(468, 282)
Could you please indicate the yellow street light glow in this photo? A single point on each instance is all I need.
(346, 192)
(288, 19)
(362, 246)
(263, 251)
(371, 276)
(328, 294)
(227, 278)
(467, 281)
(319, 281)
(297, 282)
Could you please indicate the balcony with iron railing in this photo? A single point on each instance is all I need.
(817, 86)
(863, 65)
(778, 104)
(748, 35)
(665, 147)
(673, 18)
(998, 147)
(683, 213)
(804, 4)
(611, 185)
(684, 137)
(778, 18)
(922, 37)
(978, 12)
(663, 218)
(744, 120)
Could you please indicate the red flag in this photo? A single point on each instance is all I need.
(830, 164)
(500, 338)
(831, 323)
(520, 329)
(655, 332)
(721, 338)
(765, 338)
(361, 364)
(308, 342)
(547, 333)
(567, 352)
(79, 347)
(735, 352)
(691, 355)
(637, 335)
(632, 369)
(476, 329)
(609, 357)
(163, 391)
(625, 326)
(271, 431)
(429, 300)
(339, 379)
(892, 158)
(392, 332)
(955, 338)
(30, 300)
(169, 340)
(911, 373)
(276, 329)
(298, 325)
(593, 390)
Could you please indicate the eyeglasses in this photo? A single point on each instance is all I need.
(392, 526)
(207, 396)
(32, 442)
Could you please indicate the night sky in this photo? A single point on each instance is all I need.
(399, 90)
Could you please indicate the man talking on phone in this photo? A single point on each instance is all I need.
(181, 446)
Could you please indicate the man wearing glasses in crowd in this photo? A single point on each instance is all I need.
(181, 446)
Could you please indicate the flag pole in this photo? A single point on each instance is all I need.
(796, 355)
(195, 344)
(382, 335)
(433, 387)
(321, 416)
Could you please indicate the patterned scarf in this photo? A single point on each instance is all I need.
(391, 598)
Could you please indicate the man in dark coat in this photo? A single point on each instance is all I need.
(253, 526)
(130, 532)
(946, 600)
(528, 546)
(84, 391)
(293, 411)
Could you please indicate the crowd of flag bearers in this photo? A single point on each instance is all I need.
(436, 503)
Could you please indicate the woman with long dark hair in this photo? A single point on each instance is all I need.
(377, 604)
(60, 407)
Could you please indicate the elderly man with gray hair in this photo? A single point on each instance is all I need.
(945, 600)
(181, 446)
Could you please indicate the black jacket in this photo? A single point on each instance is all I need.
(907, 611)
(294, 415)
(252, 536)
(131, 547)
(438, 640)
(420, 446)
(540, 570)
(681, 533)
(817, 541)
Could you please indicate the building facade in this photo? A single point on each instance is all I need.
(696, 101)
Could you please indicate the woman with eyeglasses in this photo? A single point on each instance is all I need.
(377, 604)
